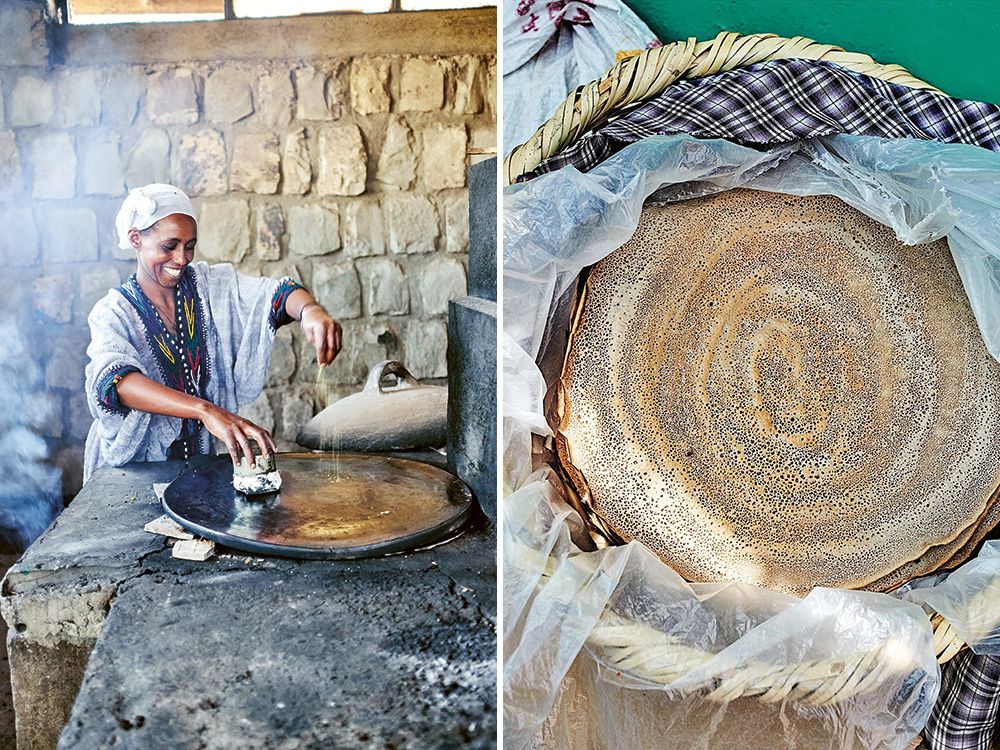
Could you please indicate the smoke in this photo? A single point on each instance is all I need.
(30, 489)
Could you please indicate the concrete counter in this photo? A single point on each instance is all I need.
(138, 649)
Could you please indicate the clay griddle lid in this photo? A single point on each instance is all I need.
(330, 506)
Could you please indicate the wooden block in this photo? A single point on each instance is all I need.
(166, 526)
(194, 549)
(159, 490)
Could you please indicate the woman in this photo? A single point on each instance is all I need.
(181, 345)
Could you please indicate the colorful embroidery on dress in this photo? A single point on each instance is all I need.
(107, 388)
(182, 358)
(279, 316)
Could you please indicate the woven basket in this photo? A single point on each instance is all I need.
(636, 79)
(632, 646)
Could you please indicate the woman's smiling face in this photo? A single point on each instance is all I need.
(165, 249)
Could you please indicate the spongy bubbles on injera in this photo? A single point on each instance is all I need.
(774, 389)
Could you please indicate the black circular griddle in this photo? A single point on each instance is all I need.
(330, 506)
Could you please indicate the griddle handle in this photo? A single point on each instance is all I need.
(389, 367)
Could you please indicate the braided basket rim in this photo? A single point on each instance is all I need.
(640, 77)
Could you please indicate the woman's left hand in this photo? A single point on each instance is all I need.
(322, 332)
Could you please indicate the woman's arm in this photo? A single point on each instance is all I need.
(321, 331)
(136, 391)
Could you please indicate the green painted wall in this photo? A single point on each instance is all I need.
(952, 44)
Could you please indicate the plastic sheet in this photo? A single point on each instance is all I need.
(567, 683)
(552, 46)
(968, 598)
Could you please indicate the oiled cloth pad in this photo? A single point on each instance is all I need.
(773, 389)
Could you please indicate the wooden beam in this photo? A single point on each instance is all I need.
(437, 32)
(134, 7)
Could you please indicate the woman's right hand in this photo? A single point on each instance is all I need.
(136, 391)
(236, 432)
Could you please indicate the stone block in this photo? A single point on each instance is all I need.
(95, 284)
(256, 158)
(283, 360)
(149, 159)
(397, 162)
(421, 87)
(444, 158)
(227, 96)
(80, 418)
(311, 95)
(455, 210)
(286, 268)
(337, 288)
(15, 300)
(296, 167)
(102, 171)
(370, 85)
(441, 280)
(338, 94)
(32, 102)
(224, 229)
(268, 232)
(200, 163)
(69, 235)
(11, 178)
(327, 393)
(364, 229)
(313, 230)
(45, 680)
(365, 343)
(386, 291)
(413, 224)
(23, 38)
(467, 97)
(69, 461)
(483, 136)
(121, 90)
(483, 229)
(54, 160)
(472, 398)
(116, 252)
(297, 407)
(425, 347)
(43, 413)
(66, 364)
(20, 363)
(274, 98)
(79, 95)
(53, 296)
(18, 238)
(171, 98)
(343, 160)
(490, 87)
(259, 412)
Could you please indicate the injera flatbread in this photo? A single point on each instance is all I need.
(773, 389)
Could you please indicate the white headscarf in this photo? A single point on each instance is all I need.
(144, 206)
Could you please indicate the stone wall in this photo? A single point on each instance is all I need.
(346, 172)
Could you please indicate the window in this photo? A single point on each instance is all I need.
(144, 11)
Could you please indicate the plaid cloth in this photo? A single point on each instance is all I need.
(965, 714)
(786, 100)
